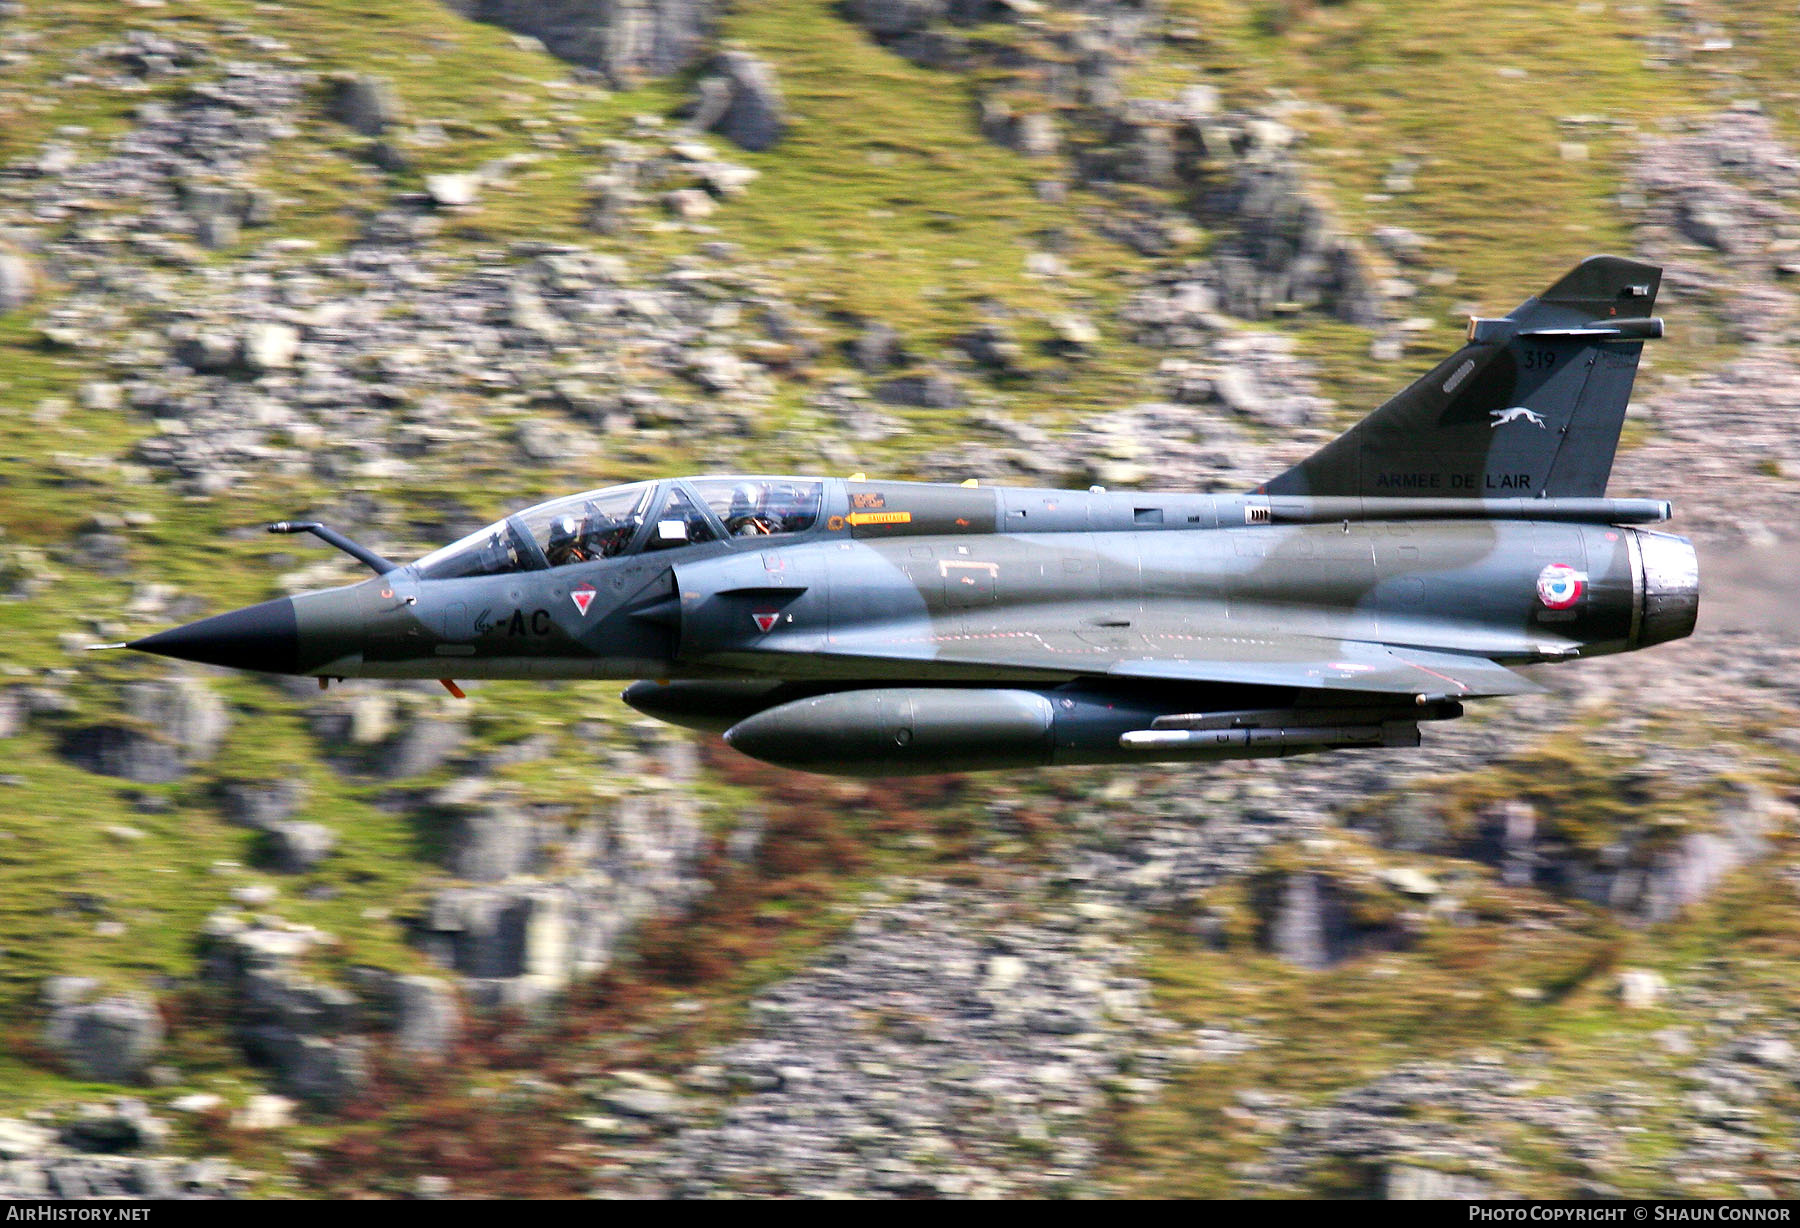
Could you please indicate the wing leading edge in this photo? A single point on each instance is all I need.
(1342, 665)
(1276, 660)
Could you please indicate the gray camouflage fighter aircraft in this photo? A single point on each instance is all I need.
(882, 628)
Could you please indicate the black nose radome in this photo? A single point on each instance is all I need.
(261, 637)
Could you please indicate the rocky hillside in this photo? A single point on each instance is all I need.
(400, 264)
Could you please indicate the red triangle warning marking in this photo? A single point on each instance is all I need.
(583, 597)
(765, 621)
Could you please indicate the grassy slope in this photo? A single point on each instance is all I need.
(883, 204)
(1472, 96)
(1503, 208)
(1504, 971)
(478, 82)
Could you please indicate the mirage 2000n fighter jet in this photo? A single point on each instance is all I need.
(879, 628)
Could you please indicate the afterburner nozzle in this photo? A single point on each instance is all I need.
(1670, 580)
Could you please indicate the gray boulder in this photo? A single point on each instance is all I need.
(60, 991)
(125, 751)
(453, 191)
(712, 98)
(279, 1005)
(1287, 250)
(427, 1017)
(389, 156)
(746, 838)
(185, 709)
(891, 18)
(261, 804)
(111, 1040)
(366, 103)
(18, 281)
(326, 1073)
(1410, 1182)
(1238, 392)
(993, 345)
(297, 847)
(492, 843)
(1643, 872)
(1300, 932)
(645, 1103)
(124, 1126)
(205, 350)
(514, 942)
(268, 346)
(1311, 920)
(877, 348)
(173, 725)
(423, 746)
(1348, 290)
(754, 115)
(1035, 135)
(1710, 225)
(491, 932)
(291, 1024)
(930, 391)
(216, 230)
(627, 40)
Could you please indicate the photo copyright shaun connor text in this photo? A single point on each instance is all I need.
(1639, 1214)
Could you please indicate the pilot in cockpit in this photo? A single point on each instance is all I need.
(747, 518)
(567, 542)
(594, 535)
(607, 536)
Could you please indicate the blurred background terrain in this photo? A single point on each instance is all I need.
(403, 264)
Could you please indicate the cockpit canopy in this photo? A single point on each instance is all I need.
(642, 516)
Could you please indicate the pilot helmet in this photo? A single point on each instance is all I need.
(562, 532)
(744, 499)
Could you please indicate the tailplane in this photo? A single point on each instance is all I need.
(1530, 407)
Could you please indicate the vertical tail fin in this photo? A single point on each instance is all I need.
(1530, 407)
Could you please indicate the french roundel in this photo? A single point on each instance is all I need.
(1560, 586)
